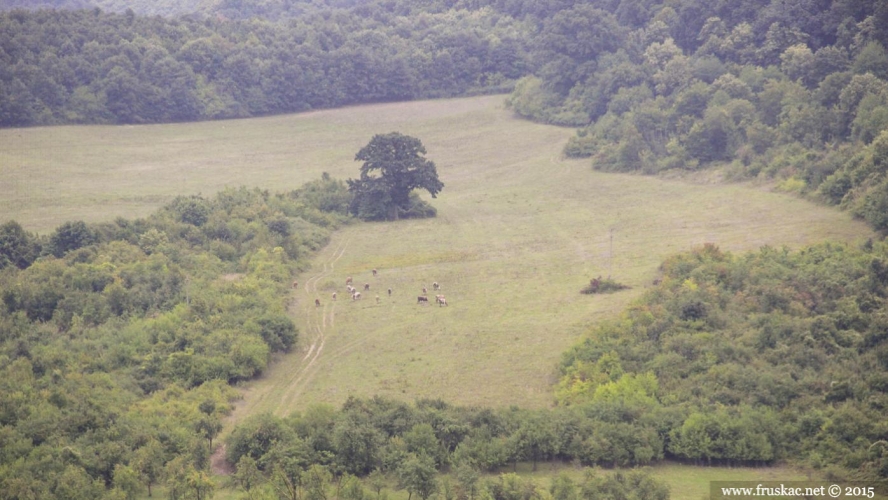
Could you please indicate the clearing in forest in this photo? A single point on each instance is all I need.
(520, 231)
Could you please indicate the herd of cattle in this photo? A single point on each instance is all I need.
(356, 295)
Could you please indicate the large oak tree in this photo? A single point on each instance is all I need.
(394, 165)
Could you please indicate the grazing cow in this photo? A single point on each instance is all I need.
(442, 302)
(317, 302)
(390, 292)
(366, 286)
(348, 281)
(350, 288)
(334, 295)
(374, 273)
(295, 284)
(356, 296)
(421, 299)
(436, 286)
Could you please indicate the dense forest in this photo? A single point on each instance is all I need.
(86, 66)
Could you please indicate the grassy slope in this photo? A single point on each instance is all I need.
(519, 232)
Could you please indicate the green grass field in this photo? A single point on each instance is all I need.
(520, 231)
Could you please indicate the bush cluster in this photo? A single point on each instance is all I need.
(773, 355)
(118, 341)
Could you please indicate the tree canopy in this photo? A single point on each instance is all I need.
(394, 166)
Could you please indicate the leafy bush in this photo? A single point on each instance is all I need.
(605, 285)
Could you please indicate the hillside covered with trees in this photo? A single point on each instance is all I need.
(765, 356)
(118, 341)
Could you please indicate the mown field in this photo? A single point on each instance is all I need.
(520, 231)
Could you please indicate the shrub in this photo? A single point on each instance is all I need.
(599, 285)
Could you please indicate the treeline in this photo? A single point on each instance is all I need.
(87, 66)
(118, 341)
(786, 90)
(772, 355)
(394, 443)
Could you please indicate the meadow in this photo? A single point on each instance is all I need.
(520, 231)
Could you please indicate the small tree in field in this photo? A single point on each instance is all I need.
(393, 167)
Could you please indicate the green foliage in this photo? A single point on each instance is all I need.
(393, 167)
(634, 484)
(192, 210)
(701, 360)
(17, 247)
(412, 442)
(98, 66)
(247, 476)
(859, 183)
(873, 58)
(417, 476)
(70, 236)
(118, 344)
(356, 443)
(605, 285)
(531, 100)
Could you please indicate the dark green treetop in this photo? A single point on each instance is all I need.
(394, 165)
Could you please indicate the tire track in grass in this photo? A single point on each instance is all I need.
(318, 321)
(287, 371)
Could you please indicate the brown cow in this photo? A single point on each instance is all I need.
(390, 292)
(295, 284)
(366, 286)
(317, 302)
(424, 291)
(374, 272)
(348, 281)
(421, 299)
